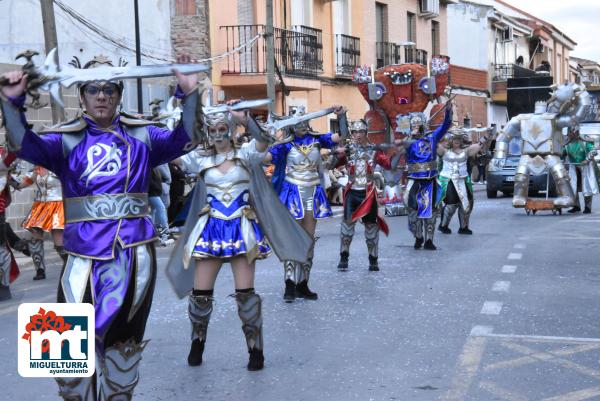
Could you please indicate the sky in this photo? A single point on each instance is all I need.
(578, 19)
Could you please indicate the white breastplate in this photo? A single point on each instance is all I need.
(303, 165)
(227, 193)
(455, 165)
(49, 188)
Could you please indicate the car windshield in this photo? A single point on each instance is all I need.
(590, 131)
(514, 147)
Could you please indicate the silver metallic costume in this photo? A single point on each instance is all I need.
(360, 197)
(223, 223)
(542, 141)
(455, 183)
(46, 214)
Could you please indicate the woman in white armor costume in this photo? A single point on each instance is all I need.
(298, 178)
(455, 182)
(46, 215)
(231, 196)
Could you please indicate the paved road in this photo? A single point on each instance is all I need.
(507, 314)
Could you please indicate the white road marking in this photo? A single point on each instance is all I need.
(501, 286)
(520, 246)
(515, 256)
(491, 308)
(509, 269)
(574, 340)
(481, 330)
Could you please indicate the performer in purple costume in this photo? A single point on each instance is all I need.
(299, 183)
(103, 159)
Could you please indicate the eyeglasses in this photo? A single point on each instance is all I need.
(94, 90)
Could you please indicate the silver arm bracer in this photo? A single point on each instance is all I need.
(512, 130)
(579, 113)
(15, 129)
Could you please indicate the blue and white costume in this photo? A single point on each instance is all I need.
(422, 189)
(298, 162)
(227, 226)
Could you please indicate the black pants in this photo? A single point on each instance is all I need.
(353, 200)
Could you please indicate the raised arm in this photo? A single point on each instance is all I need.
(46, 150)
(440, 131)
(511, 130)
(576, 114)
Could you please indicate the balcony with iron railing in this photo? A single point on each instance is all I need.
(390, 53)
(387, 53)
(298, 52)
(347, 55)
(503, 72)
(415, 56)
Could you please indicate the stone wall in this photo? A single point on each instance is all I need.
(190, 33)
(22, 200)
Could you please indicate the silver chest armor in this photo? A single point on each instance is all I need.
(303, 165)
(227, 193)
(361, 162)
(455, 165)
(49, 188)
(539, 135)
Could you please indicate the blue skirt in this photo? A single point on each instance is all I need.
(291, 197)
(224, 239)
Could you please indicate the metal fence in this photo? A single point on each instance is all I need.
(297, 52)
(347, 54)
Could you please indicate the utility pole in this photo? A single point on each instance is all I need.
(50, 42)
(138, 57)
(270, 56)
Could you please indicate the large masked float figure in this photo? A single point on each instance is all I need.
(422, 191)
(298, 178)
(455, 182)
(103, 159)
(235, 217)
(46, 215)
(583, 170)
(394, 93)
(360, 195)
(542, 141)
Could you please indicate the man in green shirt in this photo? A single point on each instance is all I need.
(579, 154)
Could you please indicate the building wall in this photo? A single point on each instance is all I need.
(115, 16)
(328, 89)
(468, 29)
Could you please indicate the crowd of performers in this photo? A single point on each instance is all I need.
(99, 167)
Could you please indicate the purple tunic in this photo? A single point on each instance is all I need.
(105, 161)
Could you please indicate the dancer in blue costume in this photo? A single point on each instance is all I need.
(422, 188)
(298, 180)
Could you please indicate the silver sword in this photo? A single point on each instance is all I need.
(50, 75)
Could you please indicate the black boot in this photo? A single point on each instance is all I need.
(574, 209)
(444, 230)
(343, 265)
(429, 245)
(196, 351)
(588, 204)
(302, 291)
(40, 274)
(290, 291)
(418, 243)
(256, 360)
(5, 293)
(465, 231)
(373, 265)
